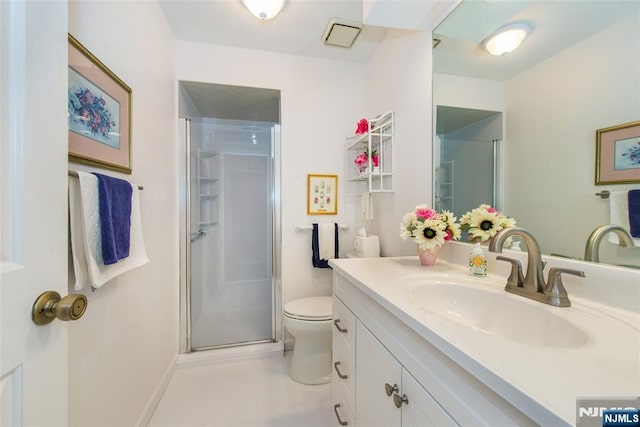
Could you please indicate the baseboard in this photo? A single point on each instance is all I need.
(158, 392)
(230, 354)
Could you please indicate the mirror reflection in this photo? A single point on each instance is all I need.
(519, 130)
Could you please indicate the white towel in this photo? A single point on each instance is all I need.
(86, 240)
(327, 241)
(619, 213)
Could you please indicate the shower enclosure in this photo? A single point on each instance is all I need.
(467, 150)
(230, 226)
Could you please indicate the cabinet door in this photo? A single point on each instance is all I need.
(375, 368)
(421, 410)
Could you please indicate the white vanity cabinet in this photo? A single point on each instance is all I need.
(387, 394)
(385, 351)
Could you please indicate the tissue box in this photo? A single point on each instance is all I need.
(366, 246)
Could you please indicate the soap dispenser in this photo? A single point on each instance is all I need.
(477, 262)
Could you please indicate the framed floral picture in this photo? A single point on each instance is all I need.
(322, 194)
(618, 154)
(99, 110)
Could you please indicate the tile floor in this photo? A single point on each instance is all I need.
(251, 393)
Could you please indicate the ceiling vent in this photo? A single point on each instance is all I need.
(341, 32)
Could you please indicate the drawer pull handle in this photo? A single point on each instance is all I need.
(389, 389)
(343, 330)
(335, 409)
(340, 374)
(400, 400)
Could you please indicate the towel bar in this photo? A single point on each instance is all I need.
(75, 173)
(604, 194)
(310, 227)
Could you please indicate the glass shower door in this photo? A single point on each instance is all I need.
(231, 264)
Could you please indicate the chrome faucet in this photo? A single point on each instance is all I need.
(592, 249)
(533, 285)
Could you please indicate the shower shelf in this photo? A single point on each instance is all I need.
(208, 187)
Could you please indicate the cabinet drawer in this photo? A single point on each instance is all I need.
(342, 412)
(344, 374)
(344, 323)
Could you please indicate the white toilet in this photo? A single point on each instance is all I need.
(309, 321)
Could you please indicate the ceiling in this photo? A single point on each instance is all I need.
(297, 30)
(556, 25)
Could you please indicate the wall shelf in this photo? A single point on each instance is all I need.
(379, 140)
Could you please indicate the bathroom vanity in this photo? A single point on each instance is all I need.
(417, 346)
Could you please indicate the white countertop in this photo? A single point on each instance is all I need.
(608, 365)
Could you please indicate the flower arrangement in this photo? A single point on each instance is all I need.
(90, 110)
(362, 127)
(429, 228)
(362, 160)
(484, 222)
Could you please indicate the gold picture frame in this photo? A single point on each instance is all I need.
(618, 154)
(322, 194)
(99, 107)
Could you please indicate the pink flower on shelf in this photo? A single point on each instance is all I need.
(363, 126)
(376, 160)
(361, 159)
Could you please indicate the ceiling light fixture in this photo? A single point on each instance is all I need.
(264, 9)
(506, 39)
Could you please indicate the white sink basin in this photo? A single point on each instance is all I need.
(508, 316)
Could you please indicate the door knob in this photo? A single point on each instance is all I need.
(50, 305)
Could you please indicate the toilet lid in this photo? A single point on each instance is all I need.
(314, 308)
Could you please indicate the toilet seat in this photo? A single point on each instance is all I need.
(314, 309)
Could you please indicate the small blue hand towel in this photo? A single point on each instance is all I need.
(634, 212)
(115, 217)
(315, 248)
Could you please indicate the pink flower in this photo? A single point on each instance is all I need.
(375, 160)
(361, 159)
(363, 126)
(425, 213)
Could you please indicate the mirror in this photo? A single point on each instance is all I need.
(578, 71)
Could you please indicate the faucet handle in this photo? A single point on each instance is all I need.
(516, 278)
(555, 288)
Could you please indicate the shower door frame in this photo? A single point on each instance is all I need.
(184, 129)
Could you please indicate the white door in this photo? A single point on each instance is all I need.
(33, 214)
(421, 410)
(378, 378)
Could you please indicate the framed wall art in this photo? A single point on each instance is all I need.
(618, 154)
(322, 194)
(99, 107)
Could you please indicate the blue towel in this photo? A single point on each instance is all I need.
(634, 212)
(115, 217)
(315, 248)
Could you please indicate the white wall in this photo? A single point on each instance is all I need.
(551, 122)
(128, 339)
(321, 102)
(399, 79)
(466, 92)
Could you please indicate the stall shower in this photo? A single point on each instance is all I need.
(467, 166)
(230, 149)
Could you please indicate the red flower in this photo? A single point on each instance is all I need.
(363, 126)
